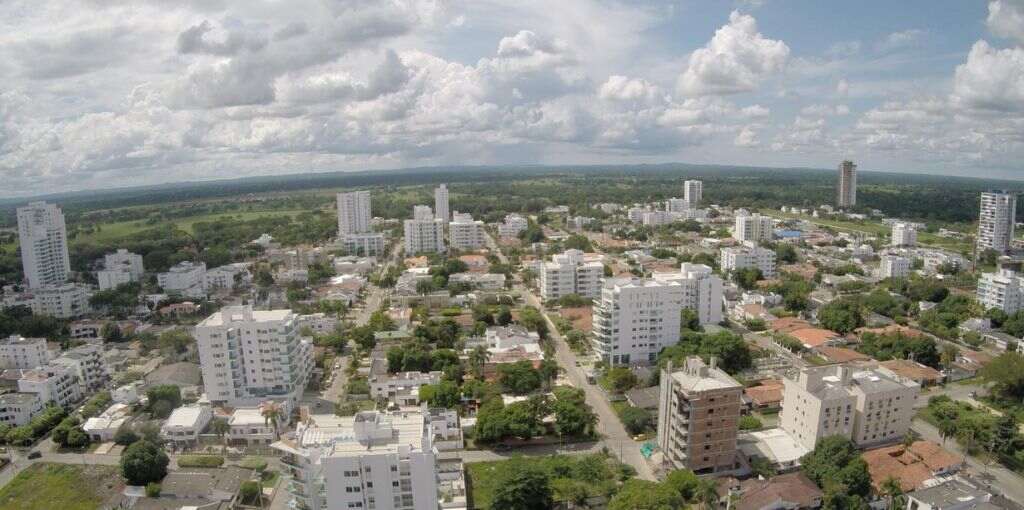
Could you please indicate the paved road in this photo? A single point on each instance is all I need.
(1003, 481)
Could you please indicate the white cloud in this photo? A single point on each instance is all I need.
(737, 59)
(747, 137)
(901, 39)
(991, 78)
(825, 110)
(1006, 18)
(622, 88)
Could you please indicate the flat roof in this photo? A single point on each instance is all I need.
(231, 314)
(338, 435)
(773, 444)
(247, 416)
(185, 416)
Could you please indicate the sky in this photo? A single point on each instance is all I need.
(98, 94)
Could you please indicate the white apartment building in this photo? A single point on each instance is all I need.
(364, 244)
(17, 409)
(249, 356)
(51, 383)
(120, 268)
(371, 460)
(66, 301)
(424, 236)
(422, 212)
(444, 427)
(43, 238)
(748, 256)
(847, 185)
(1003, 289)
(226, 277)
(693, 192)
(894, 266)
(513, 225)
(656, 218)
(20, 352)
(185, 278)
(996, 220)
(86, 362)
(636, 214)
(465, 233)
(753, 227)
(353, 212)
(677, 205)
(441, 203)
(698, 417)
(702, 290)
(185, 424)
(904, 234)
(635, 318)
(113, 278)
(867, 406)
(572, 272)
(402, 388)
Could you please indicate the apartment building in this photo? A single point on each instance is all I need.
(677, 205)
(371, 460)
(996, 220)
(693, 192)
(184, 278)
(1003, 289)
(249, 356)
(424, 235)
(866, 406)
(749, 255)
(635, 318)
(402, 388)
(465, 233)
(441, 203)
(903, 234)
(17, 409)
(753, 228)
(847, 185)
(86, 362)
(226, 277)
(364, 244)
(20, 352)
(894, 266)
(43, 238)
(353, 212)
(698, 417)
(512, 226)
(51, 383)
(65, 301)
(572, 272)
(702, 290)
(119, 268)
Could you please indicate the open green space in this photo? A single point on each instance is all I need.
(595, 475)
(63, 486)
(876, 229)
(119, 230)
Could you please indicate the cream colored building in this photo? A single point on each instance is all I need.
(572, 272)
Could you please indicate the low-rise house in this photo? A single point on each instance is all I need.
(812, 338)
(481, 281)
(102, 428)
(528, 352)
(970, 361)
(767, 395)
(507, 337)
(402, 388)
(185, 424)
(249, 426)
(319, 323)
(791, 491)
(1001, 341)
(912, 371)
(914, 467)
(955, 494)
(842, 355)
(126, 394)
(443, 425)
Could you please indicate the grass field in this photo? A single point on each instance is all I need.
(877, 229)
(63, 486)
(118, 230)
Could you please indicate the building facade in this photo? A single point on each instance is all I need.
(904, 234)
(702, 290)
(20, 352)
(424, 236)
(847, 187)
(353, 212)
(635, 318)
(996, 220)
(513, 225)
(43, 238)
(894, 266)
(753, 228)
(441, 210)
(184, 278)
(572, 272)
(465, 233)
(693, 193)
(749, 256)
(1003, 289)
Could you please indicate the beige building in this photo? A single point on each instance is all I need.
(868, 406)
(698, 417)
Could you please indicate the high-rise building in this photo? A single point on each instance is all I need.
(894, 266)
(371, 461)
(353, 212)
(249, 356)
(847, 188)
(749, 255)
(698, 417)
(424, 235)
(572, 272)
(635, 318)
(465, 233)
(753, 227)
(693, 192)
(43, 237)
(903, 234)
(866, 406)
(422, 213)
(702, 290)
(1003, 289)
(441, 203)
(996, 220)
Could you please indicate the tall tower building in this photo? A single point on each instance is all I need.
(441, 204)
(353, 212)
(693, 192)
(847, 184)
(44, 244)
(995, 221)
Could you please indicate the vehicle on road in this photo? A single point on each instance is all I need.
(34, 455)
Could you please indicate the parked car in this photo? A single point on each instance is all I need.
(35, 455)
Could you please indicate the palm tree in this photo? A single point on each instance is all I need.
(478, 357)
(948, 355)
(892, 491)
(220, 427)
(271, 412)
(946, 429)
(706, 494)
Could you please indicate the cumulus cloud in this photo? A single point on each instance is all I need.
(825, 110)
(737, 59)
(205, 38)
(1006, 18)
(622, 88)
(991, 78)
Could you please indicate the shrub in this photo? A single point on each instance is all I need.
(200, 461)
(153, 490)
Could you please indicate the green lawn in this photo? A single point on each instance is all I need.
(63, 486)
(876, 229)
(597, 474)
(118, 230)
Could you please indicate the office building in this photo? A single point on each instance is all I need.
(371, 460)
(748, 256)
(465, 233)
(698, 417)
(753, 227)
(20, 352)
(996, 220)
(867, 406)
(424, 235)
(1003, 289)
(894, 266)
(43, 237)
(249, 356)
(847, 188)
(693, 193)
(635, 318)
(513, 225)
(441, 203)
(702, 290)
(572, 272)
(904, 234)
(184, 278)
(354, 213)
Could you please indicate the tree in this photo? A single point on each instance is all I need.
(125, 436)
(841, 316)
(573, 417)
(519, 378)
(478, 358)
(892, 491)
(836, 460)
(525, 488)
(785, 253)
(504, 316)
(620, 379)
(143, 462)
(249, 492)
(220, 427)
(443, 394)
(635, 419)
(706, 494)
(689, 319)
(746, 277)
(638, 494)
(163, 399)
(272, 413)
(1006, 374)
(684, 482)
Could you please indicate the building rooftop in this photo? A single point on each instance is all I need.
(955, 492)
(912, 370)
(17, 398)
(247, 416)
(912, 466)
(366, 432)
(184, 416)
(775, 445)
(842, 354)
(696, 376)
(230, 314)
(791, 490)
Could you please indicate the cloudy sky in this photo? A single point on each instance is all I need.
(108, 93)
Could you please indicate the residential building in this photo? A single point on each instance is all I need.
(954, 494)
(847, 188)
(1003, 289)
(248, 426)
(996, 220)
(747, 256)
(363, 244)
(402, 388)
(894, 266)
(465, 233)
(677, 205)
(422, 212)
(479, 281)
(702, 290)
(443, 425)
(185, 278)
(17, 409)
(112, 278)
(698, 417)
(353, 212)
(103, 427)
(507, 337)
(371, 460)
(513, 225)
(185, 424)
(43, 238)
(424, 236)
(441, 203)
(866, 406)
(572, 272)
(916, 466)
(904, 234)
(693, 193)
(753, 227)
(20, 352)
(65, 301)
(656, 218)
(226, 277)
(635, 318)
(51, 383)
(119, 268)
(86, 362)
(249, 356)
